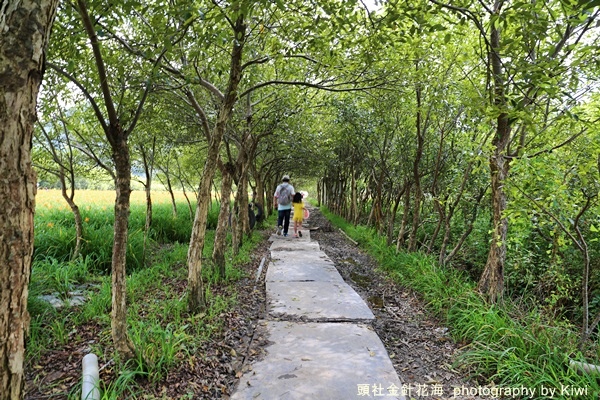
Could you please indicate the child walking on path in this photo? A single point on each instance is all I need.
(298, 213)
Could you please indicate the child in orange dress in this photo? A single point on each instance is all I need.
(298, 213)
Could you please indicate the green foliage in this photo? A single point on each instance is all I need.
(98, 305)
(158, 348)
(39, 340)
(507, 346)
(55, 234)
(166, 229)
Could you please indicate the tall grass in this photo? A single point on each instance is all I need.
(159, 324)
(507, 346)
(55, 232)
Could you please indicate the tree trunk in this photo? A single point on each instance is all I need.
(236, 224)
(319, 192)
(78, 222)
(187, 199)
(117, 137)
(467, 231)
(123, 345)
(172, 194)
(405, 213)
(196, 299)
(25, 27)
(412, 241)
(491, 283)
(354, 199)
(392, 219)
(148, 162)
(218, 255)
(259, 195)
(240, 223)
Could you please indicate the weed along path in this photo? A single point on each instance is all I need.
(321, 343)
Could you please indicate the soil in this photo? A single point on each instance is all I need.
(418, 344)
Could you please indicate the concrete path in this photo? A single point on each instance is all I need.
(322, 344)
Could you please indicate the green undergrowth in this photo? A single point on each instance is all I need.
(55, 233)
(163, 332)
(507, 347)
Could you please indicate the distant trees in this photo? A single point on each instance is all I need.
(427, 159)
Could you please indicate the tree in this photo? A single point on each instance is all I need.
(526, 51)
(118, 121)
(25, 29)
(62, 152)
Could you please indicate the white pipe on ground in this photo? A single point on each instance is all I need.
(262, 263)
(90, 386)
(579, 366)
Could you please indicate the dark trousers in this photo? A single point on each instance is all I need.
(283, 218)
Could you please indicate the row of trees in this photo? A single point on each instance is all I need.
(483, 146)
(189, 93)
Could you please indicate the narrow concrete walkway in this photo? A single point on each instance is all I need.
(322, 344)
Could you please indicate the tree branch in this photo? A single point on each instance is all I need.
(87, 94)
(332, 88)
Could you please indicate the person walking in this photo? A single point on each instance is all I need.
(282, 199)
(298, 205)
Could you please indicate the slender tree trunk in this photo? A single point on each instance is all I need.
(392, 220)
(196, 298)
(412, 241)
(25, 27)
(405, 213)
(235, 223)
(148, 161)
(148, 171)
(187, 199)
(218, 255)
(260, 193)
(445, 259)
(319, 192)
(491, 283)
(172, 194)
(241, 225)
(354, 199)
(122, 343)
(78, 221)
(243, 211)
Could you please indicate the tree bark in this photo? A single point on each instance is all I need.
(412, 241)
(353, 198)
(196, 298)
(491, 283)
(148, 161)
(122, 343)
(218, 255)
(24, 31)
(76, 215)
(171, 193)
(405, 213)
(117, 138)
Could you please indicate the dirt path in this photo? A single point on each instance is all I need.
(420, 347)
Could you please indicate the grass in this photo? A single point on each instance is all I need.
(507, 346)
(162, 330)
(55, 227)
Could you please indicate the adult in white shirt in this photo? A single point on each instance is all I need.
(282, 199)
